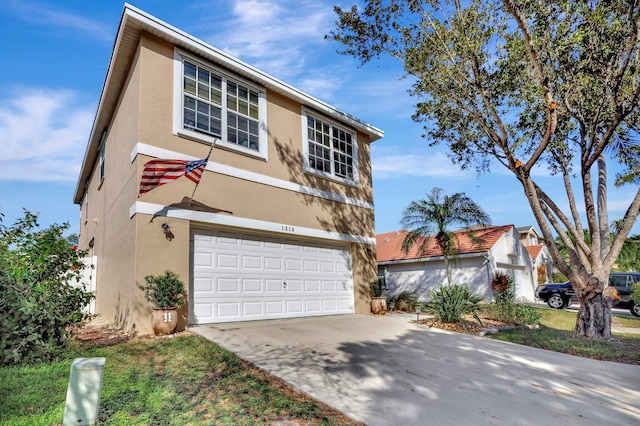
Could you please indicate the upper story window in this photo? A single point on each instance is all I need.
(330, 149)
(215, 107)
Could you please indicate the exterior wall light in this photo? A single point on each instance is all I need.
(167, 231)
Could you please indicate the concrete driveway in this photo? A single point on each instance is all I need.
(383, 370)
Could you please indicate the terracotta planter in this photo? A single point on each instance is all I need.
(164, 320)
(378, 305)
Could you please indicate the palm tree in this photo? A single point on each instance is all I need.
(441, 215)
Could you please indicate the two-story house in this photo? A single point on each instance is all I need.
(281, 223)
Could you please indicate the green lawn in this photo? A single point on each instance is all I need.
(184, 380)
(555, 334)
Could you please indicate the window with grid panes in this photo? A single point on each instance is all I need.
(330, 148)
(218, 106)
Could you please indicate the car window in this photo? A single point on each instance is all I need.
(618, 280)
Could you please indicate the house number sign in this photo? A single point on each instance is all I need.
(167, 317)
(287, 228)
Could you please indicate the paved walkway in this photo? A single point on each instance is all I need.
(386, 371)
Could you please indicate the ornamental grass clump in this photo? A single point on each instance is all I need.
(449, 304)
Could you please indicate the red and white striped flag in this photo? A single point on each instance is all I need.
(158, 172)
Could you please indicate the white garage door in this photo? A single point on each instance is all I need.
(243, 276)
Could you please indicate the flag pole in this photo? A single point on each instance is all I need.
(196, 187)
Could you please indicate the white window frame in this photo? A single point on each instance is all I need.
(178, 109)
(101, 156)
(355, 180)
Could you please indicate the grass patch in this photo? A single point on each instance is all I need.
(184, 380)
(555, 331)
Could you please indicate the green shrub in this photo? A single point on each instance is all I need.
(514, 313)
(376, 288)
(164, 291)
(38, 303)
(449, 304)
(635, 293)
(559, 277)
(405, 301)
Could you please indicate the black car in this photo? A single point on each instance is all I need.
(557, 295)
(561, 295)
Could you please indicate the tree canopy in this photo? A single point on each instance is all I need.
(439, 216)
(526, 85)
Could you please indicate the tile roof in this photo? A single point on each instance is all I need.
(389, 245)
(534, 251)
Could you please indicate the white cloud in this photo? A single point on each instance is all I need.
(43, 135)
(435, 164)
(48, 15)
(273, 36)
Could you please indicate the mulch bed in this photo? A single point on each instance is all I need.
(467, 326)
(99, 332)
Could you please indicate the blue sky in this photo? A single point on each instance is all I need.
(57, 53)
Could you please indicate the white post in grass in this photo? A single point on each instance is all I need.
(83, 391)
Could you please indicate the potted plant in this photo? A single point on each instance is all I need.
(378, 302)
(166, 293)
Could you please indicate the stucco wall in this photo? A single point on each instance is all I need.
(107, 222)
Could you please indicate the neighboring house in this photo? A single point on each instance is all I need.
(498, 249)
(282, 222)
(529, 236)
(539, 253)
(542, 262)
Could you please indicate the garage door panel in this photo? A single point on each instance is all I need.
(252, 285)
(329, 286)
(227, 261)
(251, 262)
(241, 276)
(229, 310)
(227, 285)
(253, 309)
(292, 265)
(293, 286)
(274, 307)
(311, 266)
(313, 306)
(344, 305)
(294, 307)
(274, 286)
(273, 264)
(311, 286)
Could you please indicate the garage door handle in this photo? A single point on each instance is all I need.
(284, 284)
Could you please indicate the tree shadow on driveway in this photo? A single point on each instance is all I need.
(387, 371)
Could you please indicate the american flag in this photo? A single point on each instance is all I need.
(158, 172)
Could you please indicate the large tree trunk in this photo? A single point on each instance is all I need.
(594, 315)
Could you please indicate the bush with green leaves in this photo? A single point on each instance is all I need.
(449, 304)
(635, 293)
(164, 291)
(376, 288)
(41, 296)
(405, 301)
(512, 312)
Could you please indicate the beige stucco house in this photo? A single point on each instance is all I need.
(281, 224)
